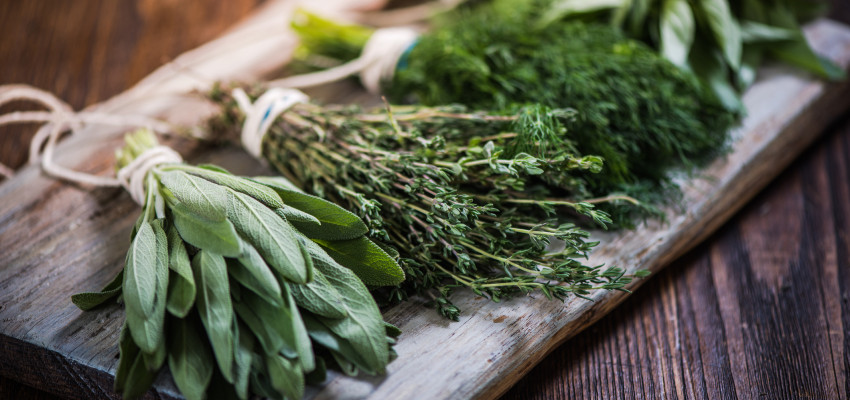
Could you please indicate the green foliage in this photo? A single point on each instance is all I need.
(237, 289)
(733, 36)
(641, 114)
(457, 196)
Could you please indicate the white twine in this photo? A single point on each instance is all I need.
(132, 175)
(376, 64)
(61, 118)
(260, 115)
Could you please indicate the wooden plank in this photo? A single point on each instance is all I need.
(74, 260)
(757, 311)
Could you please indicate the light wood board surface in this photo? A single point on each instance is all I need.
(58, 239)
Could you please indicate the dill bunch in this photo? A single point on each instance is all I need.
(639, 112)
(449, 193)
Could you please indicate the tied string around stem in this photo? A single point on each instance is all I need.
(376, 64)
(260, 115)
(61, 118)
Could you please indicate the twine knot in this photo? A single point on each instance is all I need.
(132, 175)
(260, 115)
(61, 118)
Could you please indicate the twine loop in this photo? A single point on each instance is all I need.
(260, 115)
(132, 175)
(61, 118)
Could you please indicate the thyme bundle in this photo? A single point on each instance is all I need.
(239, 285)
(468, 200)
(643, 115)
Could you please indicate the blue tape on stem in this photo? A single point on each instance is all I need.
(402, 61)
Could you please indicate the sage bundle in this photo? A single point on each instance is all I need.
(465, 199)
(242, 285)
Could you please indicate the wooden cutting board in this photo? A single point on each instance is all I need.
(57, 239)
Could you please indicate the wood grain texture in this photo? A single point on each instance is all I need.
(87, 207)
(758, 311)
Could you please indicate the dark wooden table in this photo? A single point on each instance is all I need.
(757, 311)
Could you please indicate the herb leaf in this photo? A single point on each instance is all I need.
(725, 29)
(181, 285)
(251, 271)
(368, 261)
(217, 235)
(88, 300)
(285, 376)
(189, 358)
(363, 327)
(245, 186)
(677, 31)
(215, 307)
(196, 195)
(336, 222)
(320, 297)
(272, 236)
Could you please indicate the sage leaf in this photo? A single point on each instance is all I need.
(725, 29)
(260, 383)
(146, 286)
(711, 70)
(251, 271)
(127, 352)
(371, 264)
(637, 15)
(392, 330)
(677, 31)
(88, 300)
(216, 168)
(295, 215)
(319, 297)
(754, 32)
(364, 325)
(245, 186)
(181, 284)
(215, 308)
(336, 223)
(219, 236)
(153, 361)
(189, 358)
(139, 379)
(349, 368)
(272, 325)
(139, 278)
(243, 352)
(323, 336)
(318, 374)
(797, 51)
(272, 236)
(200, 196)
(303, 346)
(285, 376)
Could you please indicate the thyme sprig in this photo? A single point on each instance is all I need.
(465, 199)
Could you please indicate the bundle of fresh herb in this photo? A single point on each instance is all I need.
(456, 194)
(243, 279)
(722, 42)
(637, 111)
